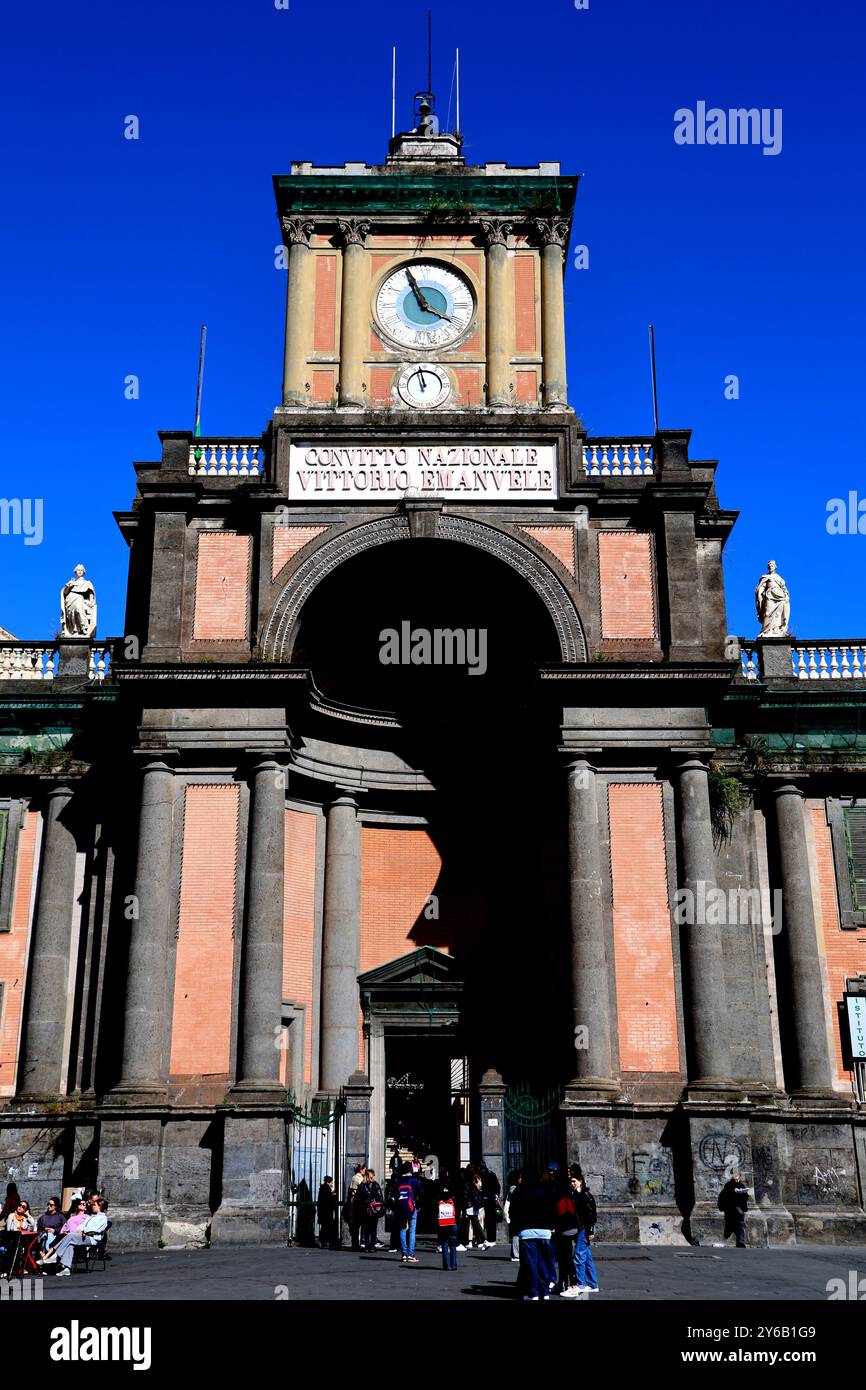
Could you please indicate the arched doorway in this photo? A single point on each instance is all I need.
(483, 737)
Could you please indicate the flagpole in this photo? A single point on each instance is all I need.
(197, 430)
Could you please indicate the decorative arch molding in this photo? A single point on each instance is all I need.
(279, 634)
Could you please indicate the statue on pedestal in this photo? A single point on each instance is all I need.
(78, 606)
(773, 603)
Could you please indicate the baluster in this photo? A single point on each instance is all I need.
(813, 665)
(648, 460)
(233, 459)
(593, 468)
(626, 460)
(846, 665)
(858, 670)
(798, 661)
(244, 469)
(834, 664)
(258, 460)
(222, 466)
(616, 469)
(823, 673)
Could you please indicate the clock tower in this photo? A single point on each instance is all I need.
(425, 284)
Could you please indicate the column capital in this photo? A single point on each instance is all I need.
(344, 796)
(495, 231)
(691, 762)
(161, 760)
(58, 789)
(352, 231)
(785, 786)
(266, 759)
(551, 231)
(298, 230)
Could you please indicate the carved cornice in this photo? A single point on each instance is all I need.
(495, 231)
(352, 231)
(551, 231)
(297, 230)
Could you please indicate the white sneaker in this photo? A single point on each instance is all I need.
(581, 1288)
(569, 1293)
(461, 1247)
(591, 1290)
(515, 1259)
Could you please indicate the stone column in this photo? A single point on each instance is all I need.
(800, 935)
(553, 235)
(590, 978)
(144, 1070)
(491, 1090)
(709, 1066)
(341, 927)
(262, 970)
(300, 297)
(498, 313)
(354, 311)
(41, 1066)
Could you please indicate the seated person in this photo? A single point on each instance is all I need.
(89, 1232)
(18, 1223)
(50, 1223)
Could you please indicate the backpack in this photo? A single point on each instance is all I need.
(406, 1196)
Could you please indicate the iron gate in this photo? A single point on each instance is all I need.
(314, 1148)
(533, 1128)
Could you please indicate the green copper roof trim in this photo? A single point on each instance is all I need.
(445, 194)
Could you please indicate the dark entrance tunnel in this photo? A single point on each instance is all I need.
(488, 745)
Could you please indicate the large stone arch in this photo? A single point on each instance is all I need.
(279, 634)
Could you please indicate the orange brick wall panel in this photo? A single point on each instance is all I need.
(288, 540)
(474, 263)
(646, 1000)
(472, 346)
(399, 872)
(222, 586)
(468, 386)
(526, 386)
(323, 386)
(204, 968)
(381, 379)
(625, 564)
(13, 951)
(299, 920)
(325, 323)
(844, 951)
(525, 336)
(559, 540)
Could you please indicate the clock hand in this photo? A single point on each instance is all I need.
(423, 301)
(422, 379)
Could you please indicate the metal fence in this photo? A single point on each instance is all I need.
(314, 1149)
(533, 1128)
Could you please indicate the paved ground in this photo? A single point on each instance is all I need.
(625, 1272)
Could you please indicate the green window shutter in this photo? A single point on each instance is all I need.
(855, 835)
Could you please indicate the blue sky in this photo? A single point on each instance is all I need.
(113, 252)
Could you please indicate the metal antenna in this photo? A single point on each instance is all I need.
(457, 70)
(200, 375)
(393, 92)
(652, 342)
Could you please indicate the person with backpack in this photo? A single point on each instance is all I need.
(491, 1192)
(473, 1210)
(584, 1265)
(448, 1229)
(565, 1235)
(734, 1202)
(371, 1206)
(406, 1213)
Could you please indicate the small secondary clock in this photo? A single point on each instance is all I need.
(423, 384)
(425, 305)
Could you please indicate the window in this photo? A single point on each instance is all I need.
(855, 839)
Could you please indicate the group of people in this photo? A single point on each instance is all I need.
(60, 1233)
(409, 1190)
(551, 1218)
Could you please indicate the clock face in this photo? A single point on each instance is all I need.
(423, 384)
(424, 305)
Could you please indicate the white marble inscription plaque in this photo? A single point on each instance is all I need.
(465, 472)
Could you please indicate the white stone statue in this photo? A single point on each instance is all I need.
(773, 603)
(78, 606)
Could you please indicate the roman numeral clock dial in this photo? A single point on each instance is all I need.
(424, 305)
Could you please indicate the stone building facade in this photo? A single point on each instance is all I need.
(426, 780)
